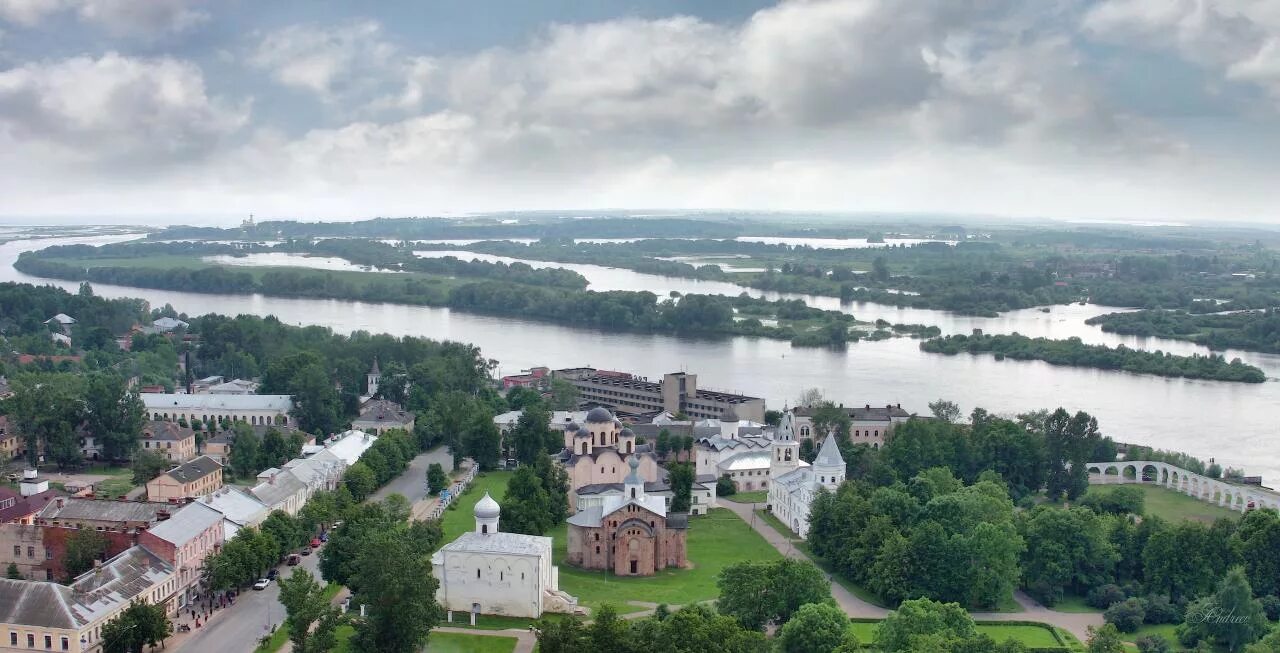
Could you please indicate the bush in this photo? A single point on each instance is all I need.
(1126, 615)
(1103, 596)
(1271, 606)
(1160, 610)
(1153, 644)
(1115, 501)
(725, 486)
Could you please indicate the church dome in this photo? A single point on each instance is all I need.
(599, 415)
(571, 427)
(582, 432)
(626, 433)
(487, 508)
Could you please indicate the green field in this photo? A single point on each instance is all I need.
(759, 496)
(460, 643)
(1032, 636)
(715, 541)
(1175, 506)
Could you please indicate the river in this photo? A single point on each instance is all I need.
(1232, 422)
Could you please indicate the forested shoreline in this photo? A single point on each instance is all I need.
(1250, 330)
(1073, 352)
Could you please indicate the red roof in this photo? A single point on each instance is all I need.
(27, 359)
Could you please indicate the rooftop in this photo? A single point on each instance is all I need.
(382, 410)
(236, 505)
(278, 489)
(194, 470)
(508, 543)
(187, 523)
(758, 459)
(159, 402)
(159, 430)
(865, 413)
(92, 596)
(75, 509)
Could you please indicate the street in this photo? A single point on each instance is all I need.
(239, 627)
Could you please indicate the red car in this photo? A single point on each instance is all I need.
(315, 542)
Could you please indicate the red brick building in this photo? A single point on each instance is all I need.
(632, 534)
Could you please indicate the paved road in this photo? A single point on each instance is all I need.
(239, 627)
(413, 482)
(1076, 624)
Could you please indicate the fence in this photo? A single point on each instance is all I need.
(455, 491)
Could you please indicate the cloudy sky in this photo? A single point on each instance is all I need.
(1149, 109)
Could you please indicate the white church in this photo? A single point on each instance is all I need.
(794, 482)
(491, 572)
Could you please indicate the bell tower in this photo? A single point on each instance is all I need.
(786, 451)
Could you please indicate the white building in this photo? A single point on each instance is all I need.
(491, 572)
(167, 324)
(233, 387)
(794, 482)
(253, 409)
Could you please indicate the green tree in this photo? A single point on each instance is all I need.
(113, 414)
(394, 578)
(46, 408)
(437, 480)
(284, 529)
(526, 508)
(1231, 617)
(880, 269)
(1066, 550)
(148, 464)
(84, 546)
(315, 400)
(564, 395)
(277, 449)
(1256, 543)
(532, 434)
(759, 593)
(947, 411)
(725, 486)
(246, 451)
(816, 628)
(681, 480)
(922, 617)
(520, 397)
(1105, 640)
(12, 572)
(360, 480)
(138, 626)
(829, 418)
(306, 606)
(480, 440)
(1268, 644)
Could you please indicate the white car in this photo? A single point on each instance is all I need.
(262, 583)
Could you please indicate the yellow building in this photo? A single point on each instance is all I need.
(191, 479)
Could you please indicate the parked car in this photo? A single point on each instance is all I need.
(272, 574)
(294, 560)
(324, 537)
(261, 584)
(315, 542)
(305, 551)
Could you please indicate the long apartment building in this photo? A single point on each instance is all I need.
(677, 392)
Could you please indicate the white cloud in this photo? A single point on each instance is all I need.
(145, 19)
(114, 109)
(330, 62)
(30, 12)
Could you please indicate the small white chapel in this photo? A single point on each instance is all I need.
(490, 572)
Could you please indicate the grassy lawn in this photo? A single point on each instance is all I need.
(777, 525)
(1072, 603)
(1175, 506)
(277, 640)
(459, 518)
(459, 643)
(497, 622)
(716, 541)
(759, 496)
(114, 487)
(1032, 636)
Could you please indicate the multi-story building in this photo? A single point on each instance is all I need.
(377, 416)
(46, 616)
(678, 392)
(195, 478)
(251, 409)
(11, 446)
(175, 442)
(184, 541)
(870, 424)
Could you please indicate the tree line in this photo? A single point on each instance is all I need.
(1250, 330)
(1073, 352)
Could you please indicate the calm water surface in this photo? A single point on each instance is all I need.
(1236, 423)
